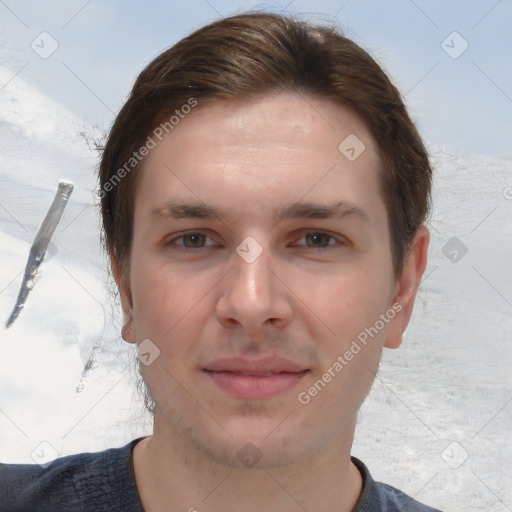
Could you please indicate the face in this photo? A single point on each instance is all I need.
(261, 273)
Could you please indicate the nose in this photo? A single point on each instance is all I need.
(253, 295)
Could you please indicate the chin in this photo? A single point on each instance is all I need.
(252, 434)
(255, 443)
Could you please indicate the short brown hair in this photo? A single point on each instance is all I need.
(254, 54)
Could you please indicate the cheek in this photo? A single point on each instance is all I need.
(351, 351)
(170, 303)
(160, 296)
(350, 301)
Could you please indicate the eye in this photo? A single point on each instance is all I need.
(318, 240)
(192, 241)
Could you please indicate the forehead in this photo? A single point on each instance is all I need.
(261, 152)
(286, 119)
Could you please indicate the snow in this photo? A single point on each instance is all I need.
(438, 419)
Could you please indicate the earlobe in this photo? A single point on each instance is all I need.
(407, 286)
(125, 295)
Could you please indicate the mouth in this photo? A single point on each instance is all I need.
(255, 380)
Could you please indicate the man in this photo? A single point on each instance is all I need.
(263, 194)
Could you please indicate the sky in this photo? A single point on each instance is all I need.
(451, 60)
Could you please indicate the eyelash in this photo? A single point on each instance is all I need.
(183, 248)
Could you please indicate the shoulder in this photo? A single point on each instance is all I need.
(380, 497)
(86, 481)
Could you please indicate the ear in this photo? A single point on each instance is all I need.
(123, 285)
(407, 286)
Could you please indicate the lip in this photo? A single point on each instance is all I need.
(255, 379)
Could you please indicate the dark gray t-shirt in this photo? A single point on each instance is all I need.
(105, 481)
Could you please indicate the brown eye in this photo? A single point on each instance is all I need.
(193, 240)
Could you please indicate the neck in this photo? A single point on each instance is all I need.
(173, 474)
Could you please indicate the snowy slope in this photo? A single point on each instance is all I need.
(438, 420)
(450, 382)
(69, 311)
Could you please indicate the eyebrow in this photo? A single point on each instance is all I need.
(297, 210)
(320, 211)
(182, 210)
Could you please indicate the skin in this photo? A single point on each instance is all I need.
(297, 299)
